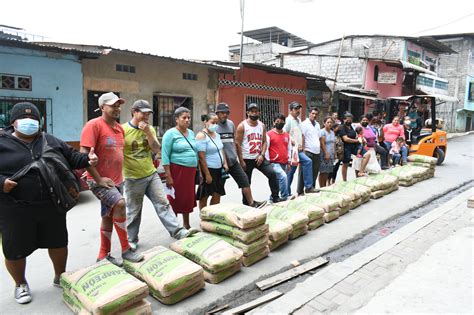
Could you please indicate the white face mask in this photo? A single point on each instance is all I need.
(27, 126)
(212, 127)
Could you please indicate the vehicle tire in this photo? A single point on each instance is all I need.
(440, 155)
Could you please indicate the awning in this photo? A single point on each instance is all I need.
(407, 65)
(359, 96)
(464, 110)
(440, 97)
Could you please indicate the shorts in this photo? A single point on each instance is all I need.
(217, 185)
(348, 151)
(239, 175)
(27, 228)
(108, 197)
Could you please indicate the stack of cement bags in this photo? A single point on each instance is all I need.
(358, 194)
(279, 233)
(427, 162)
(408, 175)
(314, 212)
(298, 220)
(104, 288)
(218, 258)
(345, 202)
(387, 184)
(244, 228)
(170, 277)
(329, 203)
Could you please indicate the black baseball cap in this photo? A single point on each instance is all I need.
(252, 105)
(142, 106)
(24, 109)
(223, 108)
(295, 105)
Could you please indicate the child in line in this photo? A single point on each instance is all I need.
(395, 151)
(362, 146)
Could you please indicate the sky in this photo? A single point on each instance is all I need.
(203, 29)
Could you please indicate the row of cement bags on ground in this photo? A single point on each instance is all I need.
(234, 235)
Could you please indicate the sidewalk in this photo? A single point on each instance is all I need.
(424, 266)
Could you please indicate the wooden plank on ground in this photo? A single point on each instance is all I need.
(253, 304)
(217, 309)
(284, 276)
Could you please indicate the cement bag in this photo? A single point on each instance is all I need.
(353, 194)
(272, 245)
(351, 185)
(378, 194)
(331, 216)
(313, 199)
(102, 288)
(141, 308)
(247, 249)
(165, 271)
(370, 182)
(343, 199)
(343, 211)
(246, 236)
(315, 224)
(354, 203)
(386, 179)
(221, 275)
(327, 202)
(391, 189)
(193, 287)
(406, 183)
(402, 173)
(422, 159)
(312, 211)
(296, 219)
(209, 251)
(233, 214)
(424, 165)
(252, 259)
(278, 229)
(299, 232)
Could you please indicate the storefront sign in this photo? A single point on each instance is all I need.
(387, 77)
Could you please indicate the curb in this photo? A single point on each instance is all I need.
(457, 135)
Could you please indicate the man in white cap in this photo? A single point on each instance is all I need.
(141, 178)
(106, 136)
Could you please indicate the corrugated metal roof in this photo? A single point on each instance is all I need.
(52, 48)
(275, 35)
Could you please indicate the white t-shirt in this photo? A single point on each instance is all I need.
(311, 136)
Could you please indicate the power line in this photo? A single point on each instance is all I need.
(446, 24)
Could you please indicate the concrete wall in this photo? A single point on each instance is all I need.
(153, 75)
(459, 70)
(56, 77)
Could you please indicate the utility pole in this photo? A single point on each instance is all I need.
(335, 75)
(242, 11)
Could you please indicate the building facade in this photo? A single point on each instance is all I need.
(51, 78)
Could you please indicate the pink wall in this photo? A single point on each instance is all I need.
(385, 90)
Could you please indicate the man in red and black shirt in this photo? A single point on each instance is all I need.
(279, 148)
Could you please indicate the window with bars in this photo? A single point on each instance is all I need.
(190, 76)
(269, 107)
(6, 104)
(125, 68)
(15, 82)
(164, 107)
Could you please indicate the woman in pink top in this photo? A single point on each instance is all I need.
(391, 133)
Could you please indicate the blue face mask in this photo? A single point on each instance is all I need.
(212, 128)
(27, 126)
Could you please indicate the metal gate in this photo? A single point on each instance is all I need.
(269, 107)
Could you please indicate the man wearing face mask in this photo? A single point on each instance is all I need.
(279, 150)
(28, 218)
(141, 178)
(251, 143)
(226, 130)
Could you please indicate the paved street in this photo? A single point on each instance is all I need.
(83, 223)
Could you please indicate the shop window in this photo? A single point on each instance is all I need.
(470, 95)
(376, 73)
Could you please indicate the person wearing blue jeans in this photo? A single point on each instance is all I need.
(403, 152)
(307, 166)
(280, 170)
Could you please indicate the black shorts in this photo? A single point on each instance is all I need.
(348, 151)
(239, 175)
(217, 185)
(27, 228)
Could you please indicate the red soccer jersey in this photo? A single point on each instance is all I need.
(108, 144)
(278, 146)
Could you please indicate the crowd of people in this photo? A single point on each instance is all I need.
(120, 170)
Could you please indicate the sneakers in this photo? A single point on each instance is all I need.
(133, 245)
(258, 204)
(191, 232)
(276, 200)
(112, 260)
(56, 282)
(132, 256)
(311, 190)
(23, 294)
